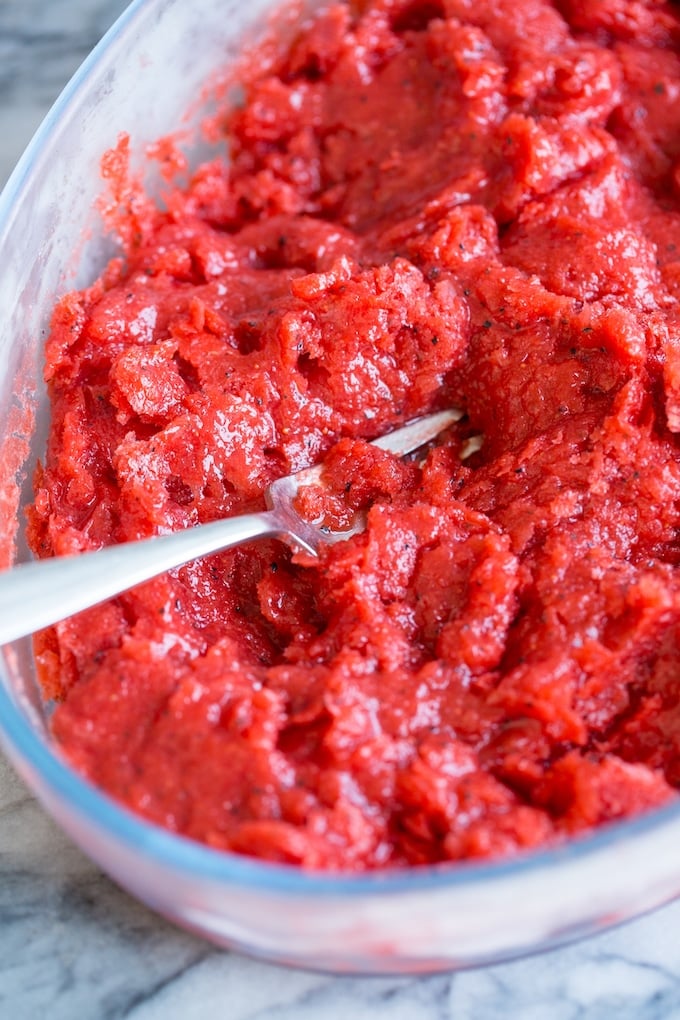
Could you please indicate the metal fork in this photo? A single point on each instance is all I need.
(38, 594)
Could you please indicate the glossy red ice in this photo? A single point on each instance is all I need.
(429, 204)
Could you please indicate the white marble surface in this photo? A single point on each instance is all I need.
(74, 946)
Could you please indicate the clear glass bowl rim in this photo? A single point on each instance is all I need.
(192, 858)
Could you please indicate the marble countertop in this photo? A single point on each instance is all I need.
(72, 945)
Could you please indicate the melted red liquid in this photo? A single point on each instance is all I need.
(455, 203)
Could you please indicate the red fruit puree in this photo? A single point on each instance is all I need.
(471, 203)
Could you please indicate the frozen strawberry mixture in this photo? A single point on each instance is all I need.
(458, 203)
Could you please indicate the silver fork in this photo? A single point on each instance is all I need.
(35, 595)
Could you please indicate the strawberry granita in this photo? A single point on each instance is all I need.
(425, 205)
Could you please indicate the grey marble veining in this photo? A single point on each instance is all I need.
(42, 42)
(72, 945)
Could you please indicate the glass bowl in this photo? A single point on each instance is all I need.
(139, 79)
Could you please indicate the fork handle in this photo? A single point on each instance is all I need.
(37, 594)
